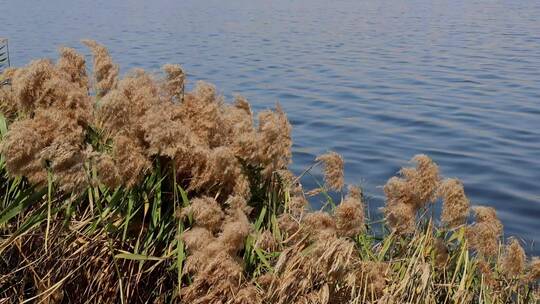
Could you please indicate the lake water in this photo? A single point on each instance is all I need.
(375, 80)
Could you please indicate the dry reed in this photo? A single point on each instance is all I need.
(144, 192)
(333, 170)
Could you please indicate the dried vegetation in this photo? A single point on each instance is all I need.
(133, 190)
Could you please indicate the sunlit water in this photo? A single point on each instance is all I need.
(375, 80)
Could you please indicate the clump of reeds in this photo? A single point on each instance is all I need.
(133, 190)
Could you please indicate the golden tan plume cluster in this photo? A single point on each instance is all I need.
(333, 170)
(162, 195)
(139, 117)
(409, 193)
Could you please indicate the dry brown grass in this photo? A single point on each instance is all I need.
(133, 190)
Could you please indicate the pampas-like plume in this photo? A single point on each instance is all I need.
(8, 103)
(407, 194)
(274, 141)
(174, 81)
(484, 235)
(197, 238)
(320, 225)
(216, 270)
(369, 275)
(130, 160)
(400, 210)
(217, 281)
(105, 71)
(333, 170)
(423, 180)
(42, 85)
(22, 147)
(107, 171)
(28, 83)
(514, 259)
(73, 65)
(46, 141)
(165, 136)
(202, 111)
(534, 269)
(486, 271)
(234, 231)
(455, 208)
(206, 213)
(350, 214)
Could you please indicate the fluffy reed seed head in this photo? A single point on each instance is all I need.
(105, 71)
(424, 179)
(400, 210)
(174, 81)
(107, 171)
(45, 142)
(73, 65)
(206, 213)
(28, 83)
(274, 141)
(319, 225)
(455, 210)
(8, 103)
(333, 170)
(484, 235)
(234, 231)
(130, 159)
(350, 214)
(534, 269)
(486, 271)
(197, 238)
(514, 259)
(407, 194)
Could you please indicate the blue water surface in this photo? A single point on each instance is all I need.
(375, 80)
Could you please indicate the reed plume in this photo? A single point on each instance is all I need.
(8, 102)
(319, 225)
(534, 269)
(266, 241)
(29, 83)
(46, 142)
(159, 195)
(514, 259)
(333, 170)
(423, 180)
(174, 81)
(274, 141)
(206, 213)
(350, 214)
(131, 162)
(400, 210)
(455, 210)
(484, 235)
(73, 65)
(407, 194)
(105, 71)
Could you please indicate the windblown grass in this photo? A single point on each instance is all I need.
(134, 191)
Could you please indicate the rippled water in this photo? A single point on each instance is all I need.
(375, 80)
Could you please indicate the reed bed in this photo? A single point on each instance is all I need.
(133, 190)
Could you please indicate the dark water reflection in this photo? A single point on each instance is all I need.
(375, 80)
